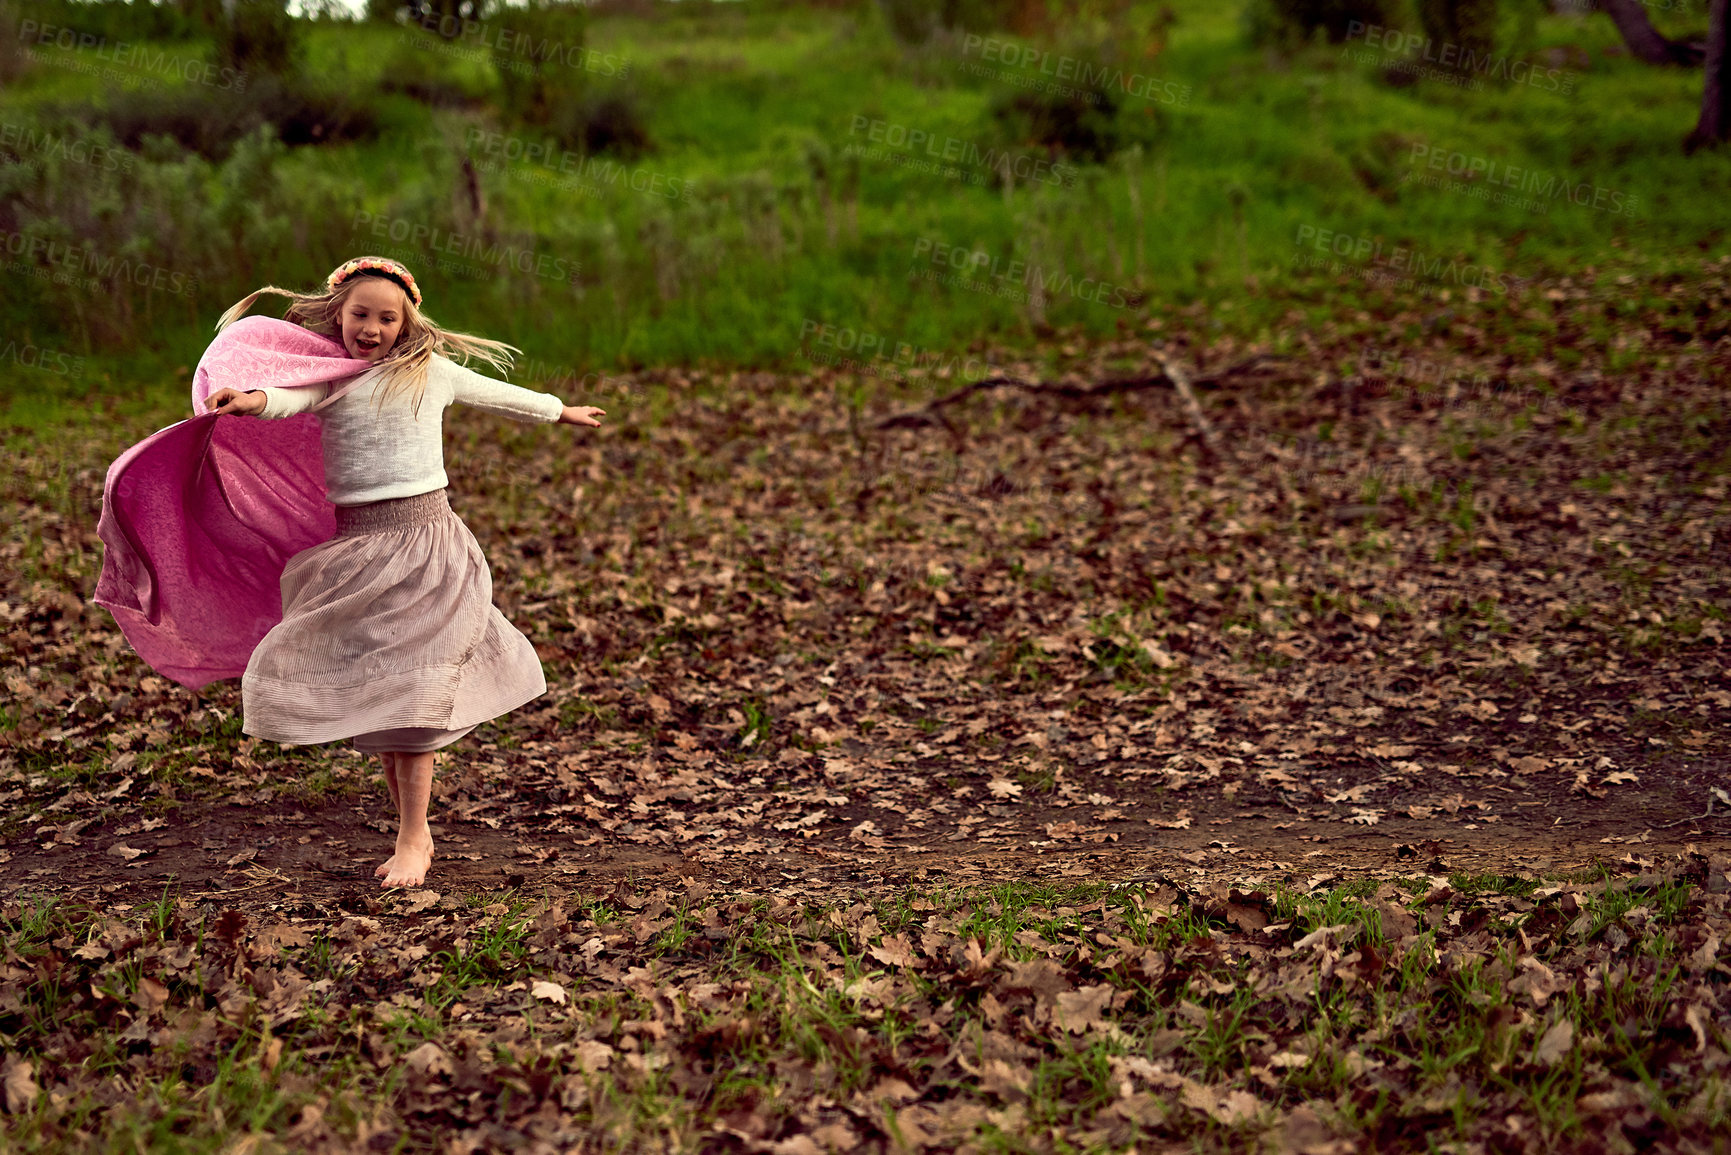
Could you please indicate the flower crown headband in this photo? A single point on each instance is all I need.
(384, 266)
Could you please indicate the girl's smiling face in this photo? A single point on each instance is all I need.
(372, 318)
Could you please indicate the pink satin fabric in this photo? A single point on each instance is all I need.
(199, 519)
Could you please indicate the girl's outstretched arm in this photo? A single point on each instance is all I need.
(495, 396)
(581, 415)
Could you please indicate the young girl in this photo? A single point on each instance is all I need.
(389, 636)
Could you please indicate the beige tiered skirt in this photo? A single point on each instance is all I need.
(389, 637)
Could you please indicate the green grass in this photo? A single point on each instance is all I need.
(744, 100)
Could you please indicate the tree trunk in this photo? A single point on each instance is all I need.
(1630, 17)
(1715, 120)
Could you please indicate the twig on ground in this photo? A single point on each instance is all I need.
(1696, 818)
(235, 889)
(1171, 373)
(1181, 382)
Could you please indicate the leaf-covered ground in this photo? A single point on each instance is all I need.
(937, 784)
(1493, 1014)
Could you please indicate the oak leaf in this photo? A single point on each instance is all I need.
(18, 1084)
(895, 951)
(428, 1059)
(1556, 1043)
(594, 1055)
(1083, 1009)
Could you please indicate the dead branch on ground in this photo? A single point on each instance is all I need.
(1171, 374)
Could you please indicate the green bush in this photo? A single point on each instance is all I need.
(1289, 21)
(1108, 25)
(1469, 25)
(308, 111)
(207, 14)
(610, 121)
(113, 20)
(210, 120)
(1119, 33)
(163, 237)
(13, 62)
(1083, 131)
(417, 68)
(260, 37)
(197, 119)
(542, 63)
(914, 21)
(550, 79)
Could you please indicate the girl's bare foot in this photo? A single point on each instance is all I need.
(408, 866)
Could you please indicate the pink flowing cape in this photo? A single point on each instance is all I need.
(199, 519)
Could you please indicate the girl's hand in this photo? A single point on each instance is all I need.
(234, 401)
(581, 415)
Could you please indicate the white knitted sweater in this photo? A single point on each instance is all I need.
(371, 456)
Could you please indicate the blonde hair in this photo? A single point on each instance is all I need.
(404, 368)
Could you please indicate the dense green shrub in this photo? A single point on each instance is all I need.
(113, 20)
(162, 238)
(914, 21)
(1122, 33)
(207, 14)
(209, 120)
(603, 120)
(1469, 25)
(549, 78)
(1081, 130)
(305, 110)
(1080, 80)
(259, 36)
(543, 65)
(417, 68)
(198, 119)
(1288, 21)
(13, 62)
